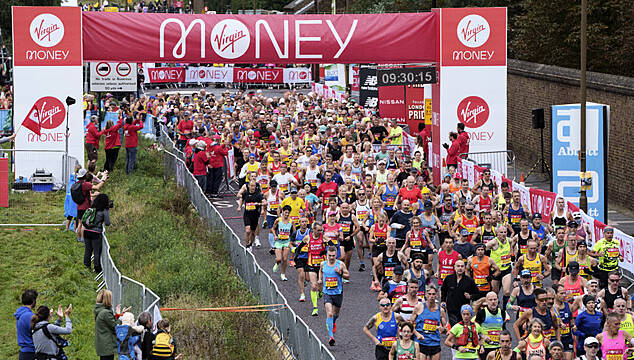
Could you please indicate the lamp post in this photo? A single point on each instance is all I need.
(583, 199)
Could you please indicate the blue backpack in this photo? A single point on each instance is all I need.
(126, 342)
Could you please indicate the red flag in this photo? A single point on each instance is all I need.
(32, 120)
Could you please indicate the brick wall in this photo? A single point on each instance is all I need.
(541, 86)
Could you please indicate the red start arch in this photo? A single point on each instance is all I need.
(467, 45)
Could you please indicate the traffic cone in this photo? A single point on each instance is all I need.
(522, 180)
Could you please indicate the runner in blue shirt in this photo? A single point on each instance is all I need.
(331, 275)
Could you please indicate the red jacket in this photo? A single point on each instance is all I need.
(200, 163)
(131, 134)
(463, 140)
(453, 152)
(93, 135)
(217, 155)
(183, 126)
(112, 135)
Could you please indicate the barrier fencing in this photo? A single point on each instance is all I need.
(500, 161)
(126, 291)
(300, 340)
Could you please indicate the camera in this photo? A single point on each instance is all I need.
(111, 204)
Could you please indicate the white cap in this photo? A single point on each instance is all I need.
(590, 340)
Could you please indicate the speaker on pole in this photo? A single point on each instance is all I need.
(538, 118)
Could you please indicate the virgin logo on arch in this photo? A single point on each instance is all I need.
(473, 111)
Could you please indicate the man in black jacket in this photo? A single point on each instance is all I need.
(457, 290)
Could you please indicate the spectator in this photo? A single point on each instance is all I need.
(47, 344)
(112, 143)
(8, 138)
(217, 154)
(23, 324)
(83, 186)
(105, 322)
(93, 136)
(93, 230)
(145, 319)
(164, 344)
(453, 151)
(463, 141)
(131, 141)
(200, 162)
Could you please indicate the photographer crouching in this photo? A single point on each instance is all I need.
(93, 221)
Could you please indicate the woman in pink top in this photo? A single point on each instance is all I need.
(615, 343)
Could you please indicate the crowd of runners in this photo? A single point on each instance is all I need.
(455, 268)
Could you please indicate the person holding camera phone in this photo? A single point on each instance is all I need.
(93, 221)
(48, 345)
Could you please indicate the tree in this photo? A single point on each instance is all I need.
(5, 14)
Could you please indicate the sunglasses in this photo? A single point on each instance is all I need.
(615, 280)
(593, 346)
(385, 305)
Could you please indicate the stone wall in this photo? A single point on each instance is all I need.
(541, 86)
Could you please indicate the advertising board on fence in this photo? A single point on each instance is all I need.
(166, 75)
(113, 76)
(227, 74)
(565, 151)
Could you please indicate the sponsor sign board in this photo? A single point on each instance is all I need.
(113, 76)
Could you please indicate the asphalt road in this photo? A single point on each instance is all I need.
(359, 302)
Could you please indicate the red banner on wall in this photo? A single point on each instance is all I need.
(262, 76)
(415, 106)
(166, 75)
(195, 38)
(392, 103)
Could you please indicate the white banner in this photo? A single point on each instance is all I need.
(297, 75)
(210, 74)
(113, 76)
(525, 195)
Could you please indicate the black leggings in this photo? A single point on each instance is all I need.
(92, 244)
(111, 158)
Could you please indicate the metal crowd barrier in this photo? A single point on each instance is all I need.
(125, 291)
(501, 161)
(300, 340)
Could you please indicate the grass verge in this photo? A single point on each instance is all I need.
(156, 238)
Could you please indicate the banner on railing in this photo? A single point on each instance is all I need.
(221, 74)
(543, 202)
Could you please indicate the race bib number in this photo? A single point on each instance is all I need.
(316, 260)
(444, 272)
(295, 219)
(313, 182)
(332, 282)
(565, 329)
(415, 243)
(362, 215)
(430, 326)
(345, 228)
(388, 341)
(250, 206)
(284, 235)
(390, 202)
(389, 271)
(548, 333)
(523, 249)
(506, 259)
(614, 355)
(274, 205)
(284, 187)
(481, 280)
(613, 252)
(494, 336)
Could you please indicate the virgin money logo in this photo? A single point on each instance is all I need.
(230, 38)
(52, 112)
(252, 75)
(473, 112)
(473, 31)
(46, 30)
(303, 75)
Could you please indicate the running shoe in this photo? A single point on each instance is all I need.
(291, 263)
(362, 267)
(346, 281)
(302, 298)
(249, 248)
(276, 267)
(331, 342)
(315, 312)
(283, 277)
(272, 251)
(334, 328)
(257, 241)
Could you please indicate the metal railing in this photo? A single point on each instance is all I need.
(300, 340)
(502, 161)
(125, 291)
